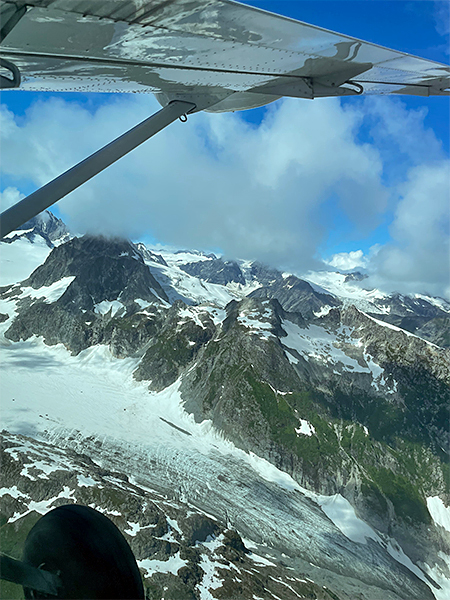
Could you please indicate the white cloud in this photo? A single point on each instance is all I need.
(442, 18)
(401, 135)
(216, 182)
(254, 192)
(347, 261)
(418, 258)
(9, 197)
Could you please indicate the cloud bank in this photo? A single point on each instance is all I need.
(271, 192)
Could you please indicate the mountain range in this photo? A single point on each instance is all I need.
(254, 434)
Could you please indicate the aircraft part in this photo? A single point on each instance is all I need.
(28, 576)
(53, 191)
(9, 82)
(214, 55)
(209, 52)
(87, 551)
(10, 15)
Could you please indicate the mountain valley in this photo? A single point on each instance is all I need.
(253, 433)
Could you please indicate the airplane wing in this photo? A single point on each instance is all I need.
(227, 55)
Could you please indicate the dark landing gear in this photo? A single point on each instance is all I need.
(75, 552)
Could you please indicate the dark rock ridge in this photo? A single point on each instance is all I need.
(215, 270)
(436, 330)
(44, 225)
(296, 295)
(102, 271)
(355, 276)
(263, 274)
(416, 315)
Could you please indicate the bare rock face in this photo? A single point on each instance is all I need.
(173, 347)
(215, 270)
(198, 528)
(104, 269)
(296, 295)
(103, 278)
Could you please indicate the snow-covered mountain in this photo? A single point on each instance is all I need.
(253, 434)
(427, 316)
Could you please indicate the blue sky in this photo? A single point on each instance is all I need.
(389, 150)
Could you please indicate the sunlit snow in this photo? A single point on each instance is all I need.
(320, 344)
(342, 513)
(51, 293)
(439, 512)
(102, 308)
(171, 565)
(20, 258)
(305, 428)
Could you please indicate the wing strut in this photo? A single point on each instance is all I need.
(28, 576)
(29, 207)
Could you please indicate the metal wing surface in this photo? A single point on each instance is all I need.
(220, 54)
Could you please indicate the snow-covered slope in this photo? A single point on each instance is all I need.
(191, 389)
(106, 414)
(20, 259)
(350, 288)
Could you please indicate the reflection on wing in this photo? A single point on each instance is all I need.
(229, 56)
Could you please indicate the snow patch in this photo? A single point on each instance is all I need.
(341, 512)
(51, 293)
(260, 560)
(143, 304)
(324, 310)
(439, 512)
(439, 573)
(44, 505)
(305, 428)
(319, 344)
(172, 565)
(12, 491)
(210, 581)
(102, 308)
(84, 481)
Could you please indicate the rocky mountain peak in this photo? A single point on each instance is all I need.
(355, 276)
(84, 284)
(263, 274)
(149, 255)
(45, 225)
(297, 295)
(103, 268)
(257, 315)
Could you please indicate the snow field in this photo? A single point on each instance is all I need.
(439, 512)
(317, 343)
(171, 565)
(104, 400)
(19, 259)
(102, 308)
